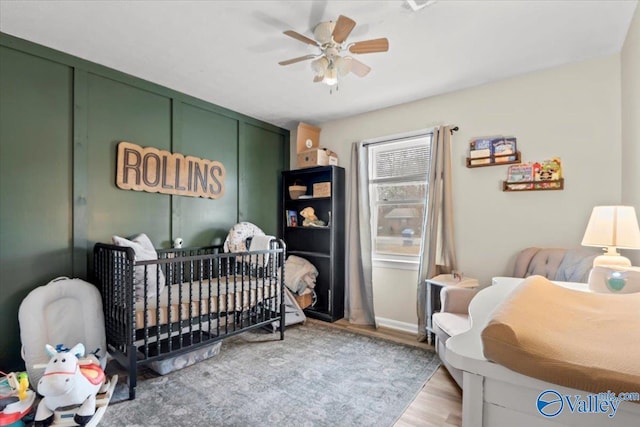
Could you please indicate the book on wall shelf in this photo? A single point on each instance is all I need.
(547, 173)
(504, 149)
(520, 176)
(492, 150)
(480, 150)
(533, 176)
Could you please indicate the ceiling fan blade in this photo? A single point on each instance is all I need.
(298, 59)
(318, 78)
(303, 39)
(358, 68)
(370, 46)
(343, 28)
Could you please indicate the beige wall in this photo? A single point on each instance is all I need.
(630, 60)
(573, 112)
(397, 303)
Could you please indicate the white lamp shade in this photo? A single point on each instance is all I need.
(615, 226)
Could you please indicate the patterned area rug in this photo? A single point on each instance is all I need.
(317, 376)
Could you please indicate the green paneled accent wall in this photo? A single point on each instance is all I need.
(35, 183)
(121, 112)
(60, 120)
(210, 136)
(259, 149)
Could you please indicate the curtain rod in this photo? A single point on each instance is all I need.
(411, 135)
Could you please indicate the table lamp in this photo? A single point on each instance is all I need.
(612, 227)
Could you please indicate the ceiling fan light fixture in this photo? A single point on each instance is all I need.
(330, 76)
(320, 65)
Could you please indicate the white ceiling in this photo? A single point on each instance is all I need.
(227, 52)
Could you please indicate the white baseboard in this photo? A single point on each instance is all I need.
(400, 326)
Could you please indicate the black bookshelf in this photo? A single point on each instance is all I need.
(324, 247)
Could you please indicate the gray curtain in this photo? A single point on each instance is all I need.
(438, 252)
(358, 289)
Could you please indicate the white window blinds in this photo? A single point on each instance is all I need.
(400, 159)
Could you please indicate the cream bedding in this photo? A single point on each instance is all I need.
(587, 341)
(204, 298)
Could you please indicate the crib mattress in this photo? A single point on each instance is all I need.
(583, 340)
(200, 298)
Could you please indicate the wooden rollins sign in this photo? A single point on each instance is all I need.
(159, 171)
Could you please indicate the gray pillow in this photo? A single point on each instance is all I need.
(144, 251)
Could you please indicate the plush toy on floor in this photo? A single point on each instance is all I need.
(69, 379)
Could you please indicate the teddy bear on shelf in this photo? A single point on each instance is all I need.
(310, 218)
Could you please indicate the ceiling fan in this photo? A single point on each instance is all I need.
(330, 37)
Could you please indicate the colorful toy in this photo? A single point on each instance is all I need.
(71, 380)
(16, 400)
(23, 385)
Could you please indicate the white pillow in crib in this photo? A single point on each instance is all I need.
(237, 237)
(144, 251)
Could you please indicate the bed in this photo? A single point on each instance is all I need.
(181, 300)
(517, 392)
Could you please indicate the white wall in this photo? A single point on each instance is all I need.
(630, 60)
(394, 297)
(573, 112)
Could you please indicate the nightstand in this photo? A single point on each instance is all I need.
(434, 286)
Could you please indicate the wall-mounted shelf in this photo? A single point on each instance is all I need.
(557, 184)
(498, 160)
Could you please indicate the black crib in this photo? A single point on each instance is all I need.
(208, 295)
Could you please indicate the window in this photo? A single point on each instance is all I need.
(398, 171)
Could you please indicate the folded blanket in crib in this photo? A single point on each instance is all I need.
(299, 274)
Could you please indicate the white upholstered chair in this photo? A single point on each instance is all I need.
(565, 265)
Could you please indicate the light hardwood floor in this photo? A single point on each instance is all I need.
(439, 403)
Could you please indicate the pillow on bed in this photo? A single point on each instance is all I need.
(144, 251)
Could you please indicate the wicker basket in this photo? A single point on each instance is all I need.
(296, 190)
